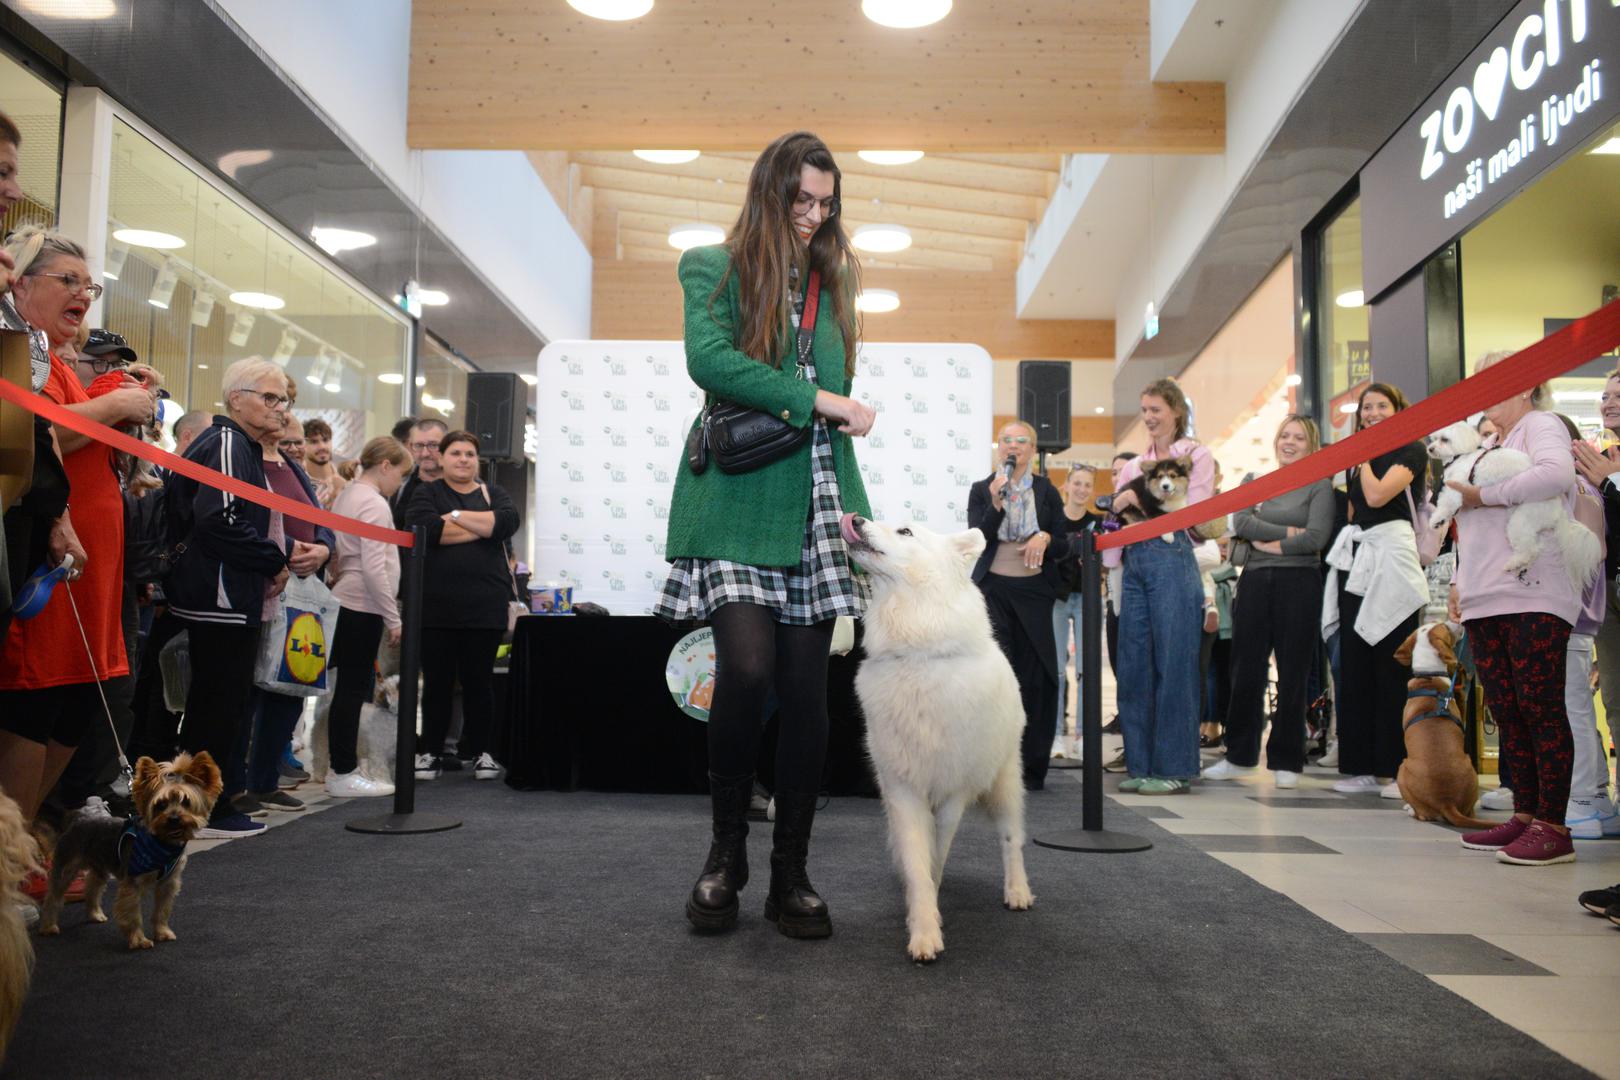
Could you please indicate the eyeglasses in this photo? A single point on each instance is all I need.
(271, 401)
(422, 447)
(103, 364)
(291, 442)
(804, 201)
(74, 284)
(1021, 440)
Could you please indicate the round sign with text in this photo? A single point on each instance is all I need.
(689, 674)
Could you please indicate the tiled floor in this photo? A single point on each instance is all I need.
(1510, 939)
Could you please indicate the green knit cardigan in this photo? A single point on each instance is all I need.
(755, 517)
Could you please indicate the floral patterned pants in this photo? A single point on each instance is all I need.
(1520, 659)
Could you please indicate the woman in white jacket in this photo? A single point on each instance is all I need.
(366, 584)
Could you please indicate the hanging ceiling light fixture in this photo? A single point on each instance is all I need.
(612, 10)
(904, 14)
(202, 308)
(877, 301)
(163, 288)
(116, 254)
(889, 157)
(695, 234)
(667, 157)
(317, 368)
(285, 348)
(882, 239)
(267, 301)
(241, 327)
(334, 385)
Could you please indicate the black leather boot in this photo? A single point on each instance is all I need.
(793, 904)
(713, 903)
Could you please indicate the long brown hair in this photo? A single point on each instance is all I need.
(1390, 393)
(763, 249)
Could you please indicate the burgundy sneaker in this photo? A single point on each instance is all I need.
(1539, 846)
(1497, 838)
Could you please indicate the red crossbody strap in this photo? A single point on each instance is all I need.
(812, 300)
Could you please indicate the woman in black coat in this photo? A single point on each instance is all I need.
(465, 600)
(1021, 517)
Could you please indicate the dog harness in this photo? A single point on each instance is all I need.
(1442, 705)
(139, 852)
(1474, 468)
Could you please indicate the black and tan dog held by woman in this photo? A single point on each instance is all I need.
(1160, 489)
(146, 853)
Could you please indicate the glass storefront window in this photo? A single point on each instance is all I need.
(441, 384)
(1344, 357)
(196, 281)
(1544, 259)
(36, 108)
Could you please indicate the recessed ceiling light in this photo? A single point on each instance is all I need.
(889, 157)
(336, 241)
(264, 300)
(1352, 298)
(230, 164)
(667, 157)
(72, 9)
(1294, 379)
(1099, 410)
(905, 14)
(877, 301)
(432, 297)
(149, 238)
(612, 10)
(530, 379)
(392, 378)
(695, 234)
(882, 239)
(421, 380)
(1608, 146)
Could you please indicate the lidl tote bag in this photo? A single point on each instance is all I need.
(297, 639)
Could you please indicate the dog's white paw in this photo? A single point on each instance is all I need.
(163, 933)
(140, 941)
(1018, 897)
(98, 916)
(926, 945)
(49, 931)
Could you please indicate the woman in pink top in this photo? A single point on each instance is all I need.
(1518, 630)
(1161, 615)
(366, 582)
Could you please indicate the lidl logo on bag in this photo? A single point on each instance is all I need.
(303, 657)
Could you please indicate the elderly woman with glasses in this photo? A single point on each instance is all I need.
(229, 564)
(1021, 516)
(48, 677)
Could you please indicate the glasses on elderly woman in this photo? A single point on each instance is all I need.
(74, 284)
(271, 401)
(1015, 440)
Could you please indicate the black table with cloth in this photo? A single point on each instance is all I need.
(587, 707)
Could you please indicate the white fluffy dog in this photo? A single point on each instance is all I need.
(379, 724)
(943, 715)
(1458, 446)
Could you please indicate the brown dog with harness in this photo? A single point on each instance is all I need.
(1437, 779)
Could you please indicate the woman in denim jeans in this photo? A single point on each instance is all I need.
(1066, 619)
(1161, 615)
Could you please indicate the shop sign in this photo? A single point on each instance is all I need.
(1531, 93)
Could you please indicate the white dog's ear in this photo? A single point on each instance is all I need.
(969, 544)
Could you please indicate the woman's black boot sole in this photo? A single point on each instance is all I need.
(798, 926)
(711, 921)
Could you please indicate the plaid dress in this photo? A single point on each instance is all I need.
(823, 585)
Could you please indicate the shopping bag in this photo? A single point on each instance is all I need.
(296, 640)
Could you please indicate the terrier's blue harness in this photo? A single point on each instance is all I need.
(139, 852)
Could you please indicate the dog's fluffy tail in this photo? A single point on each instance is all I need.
(17, 859)
(1461, 820)
(1581, 551)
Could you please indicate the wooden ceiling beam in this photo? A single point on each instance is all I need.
(1004, 251)
(1033, 179)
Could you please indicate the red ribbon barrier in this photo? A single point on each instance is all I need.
(1582, 340)
(58, 414)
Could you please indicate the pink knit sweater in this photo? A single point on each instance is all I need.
(1483, 589)
(367, 570)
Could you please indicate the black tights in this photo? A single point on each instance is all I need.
(752, 654)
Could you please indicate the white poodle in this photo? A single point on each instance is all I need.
(1458, 446)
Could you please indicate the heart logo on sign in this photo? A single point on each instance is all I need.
(1490, 78)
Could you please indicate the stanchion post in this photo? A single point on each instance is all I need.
(405, 819)
(1091, 836)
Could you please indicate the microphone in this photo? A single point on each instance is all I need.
(1008, 466)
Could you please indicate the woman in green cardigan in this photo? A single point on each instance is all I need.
(759, 554)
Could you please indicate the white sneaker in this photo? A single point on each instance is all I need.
(1592, 819)
(1058, 749)
(1391, 790)
(1500, 799)
(94, 806)
(1330, 759)
(355, 786)
(29, 912)
(1357, 785)
(427, 767)
(1225, 770)
(1286, 779)
(486, 768)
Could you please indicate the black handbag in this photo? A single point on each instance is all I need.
(741, 438)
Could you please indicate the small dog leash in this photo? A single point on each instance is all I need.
(123, 762)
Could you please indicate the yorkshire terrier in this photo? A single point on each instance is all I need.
(146, 853)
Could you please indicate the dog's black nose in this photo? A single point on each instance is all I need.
(856, 520)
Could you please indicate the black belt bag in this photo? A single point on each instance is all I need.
(742, 439)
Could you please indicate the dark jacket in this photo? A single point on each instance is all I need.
(227, 557)
(1611, 516)
(983, 515)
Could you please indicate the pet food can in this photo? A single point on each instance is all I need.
(551, 599)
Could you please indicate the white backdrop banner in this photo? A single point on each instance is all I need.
(612, 418)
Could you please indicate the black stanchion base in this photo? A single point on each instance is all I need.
(403, 824)
(1065, 763)
(1102, 841)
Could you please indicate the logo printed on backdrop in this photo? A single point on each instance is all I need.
(660, 510)
(963, 406)
(918, 369)
(575, 366)
(962, 476)
(615, 401)
(959, 514)
(660, 368)
(659, 438)
(660, 474)
(615, 582)
(961, 442)
(657, 546)
(918, 477)
(616, 472)
(917, 513)
(660, 402)
(616, 438)
(918, 441)
(574, 509)
(616, 509)
(575, 547)
(575, 402)
(963, 371)
(575, 438)
(873, 477)
(615, 367)
(575, 476)
(616, 547)
(875, 441)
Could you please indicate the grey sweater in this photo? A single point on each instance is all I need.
(1309, 508)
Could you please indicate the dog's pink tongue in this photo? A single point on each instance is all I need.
(846, 525)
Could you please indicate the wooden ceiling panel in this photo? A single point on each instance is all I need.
(1024, 76)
